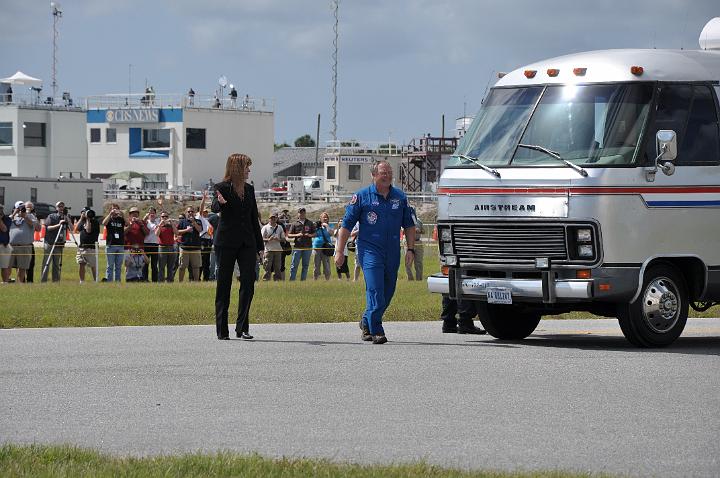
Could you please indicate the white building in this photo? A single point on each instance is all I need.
(347, 165)
(41, 140)
(177, 141)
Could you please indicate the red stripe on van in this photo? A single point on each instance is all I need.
(585, 190)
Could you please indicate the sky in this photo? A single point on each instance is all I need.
(402, 64)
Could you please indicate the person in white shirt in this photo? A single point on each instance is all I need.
(273, 234)
(152, 245)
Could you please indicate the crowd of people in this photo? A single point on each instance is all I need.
(159, 248)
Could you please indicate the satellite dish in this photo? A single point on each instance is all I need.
(231, 86)
(222, 81)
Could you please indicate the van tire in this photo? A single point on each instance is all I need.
(507, 322)
(659, 314)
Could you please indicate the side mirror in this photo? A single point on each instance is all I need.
(666, 144)
(666, 141)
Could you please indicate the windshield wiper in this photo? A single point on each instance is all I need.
(475, 161)
(554, 154)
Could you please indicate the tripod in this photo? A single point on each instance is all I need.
(61, 233)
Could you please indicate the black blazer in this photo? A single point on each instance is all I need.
(239, 225)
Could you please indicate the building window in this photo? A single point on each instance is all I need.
(34, 134)
(330, 172)
(156, 138)
(94, 135)
(6, 130)
(195, 138)
(89, 198)
(111, 135)
(33, 195)
(354, 172)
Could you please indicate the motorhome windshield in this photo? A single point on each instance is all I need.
(586, 125)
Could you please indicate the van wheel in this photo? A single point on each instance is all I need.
(659, 314)
(507, 323)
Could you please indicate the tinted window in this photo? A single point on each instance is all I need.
(330, 174)
(354, 172)
(34, 134)
(195, 138)
(700, 142)
(156, 138)
(94, 135)
(111, 135)
(6, 134)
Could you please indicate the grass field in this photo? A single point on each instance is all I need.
(69, 304)
(67, 461)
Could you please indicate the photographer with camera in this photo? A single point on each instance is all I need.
(152, 245)
(56, 226)
(189, 229)
(114, 224)
(22, 231)
(5, 247)
(166, 232)
(30, 208)
(135, 232)
(86, 255)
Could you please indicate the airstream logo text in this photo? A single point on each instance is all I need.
(505, 207)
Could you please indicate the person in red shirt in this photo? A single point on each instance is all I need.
(166, 232)
(136, 229)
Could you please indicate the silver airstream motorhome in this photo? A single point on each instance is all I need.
(590, 182)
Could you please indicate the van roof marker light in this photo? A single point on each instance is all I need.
(553, 72)
(637, 70)
(579, 71)
(530, 73)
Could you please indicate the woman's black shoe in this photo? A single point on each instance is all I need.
(244, 335)
(223, 337)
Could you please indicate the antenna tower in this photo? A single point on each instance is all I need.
(57, 15)
(335, 5)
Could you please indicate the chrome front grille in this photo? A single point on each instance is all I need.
(509, 243)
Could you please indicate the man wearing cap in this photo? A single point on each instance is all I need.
(381, 209)
(302, 230)
(22, 232)
(273, 234)
(56, 226)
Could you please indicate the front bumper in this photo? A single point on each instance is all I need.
(532, 289)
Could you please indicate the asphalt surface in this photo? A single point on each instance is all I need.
(575, 396)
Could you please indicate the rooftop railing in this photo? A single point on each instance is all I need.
(361, 147)
(35, 100)
(150, 100)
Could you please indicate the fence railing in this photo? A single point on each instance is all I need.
(262, 196)
(151, 100)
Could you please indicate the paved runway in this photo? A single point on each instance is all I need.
(575, 396)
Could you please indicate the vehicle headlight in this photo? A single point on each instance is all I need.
(584, 235)
(585, 250)
(447, 248)
(445, 234)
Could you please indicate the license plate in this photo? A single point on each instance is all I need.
(499, 295)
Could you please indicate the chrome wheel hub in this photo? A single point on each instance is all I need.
(661, 307)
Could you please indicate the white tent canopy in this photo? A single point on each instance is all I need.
(21, 78)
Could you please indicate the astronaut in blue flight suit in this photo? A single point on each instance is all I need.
(381, 210)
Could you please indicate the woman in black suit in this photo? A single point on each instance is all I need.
(238, 239)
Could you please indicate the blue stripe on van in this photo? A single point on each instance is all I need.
(683, 203)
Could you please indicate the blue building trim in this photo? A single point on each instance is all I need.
(165, 115)
(150, 154)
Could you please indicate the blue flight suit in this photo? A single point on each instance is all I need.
(378, 246)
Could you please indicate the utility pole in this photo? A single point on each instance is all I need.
(335, 4)
(57, 15)
(317, 144)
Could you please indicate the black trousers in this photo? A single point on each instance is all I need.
(226, 258)
(205, 249)
(30, 274)
(467, 309)
(152, 252)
